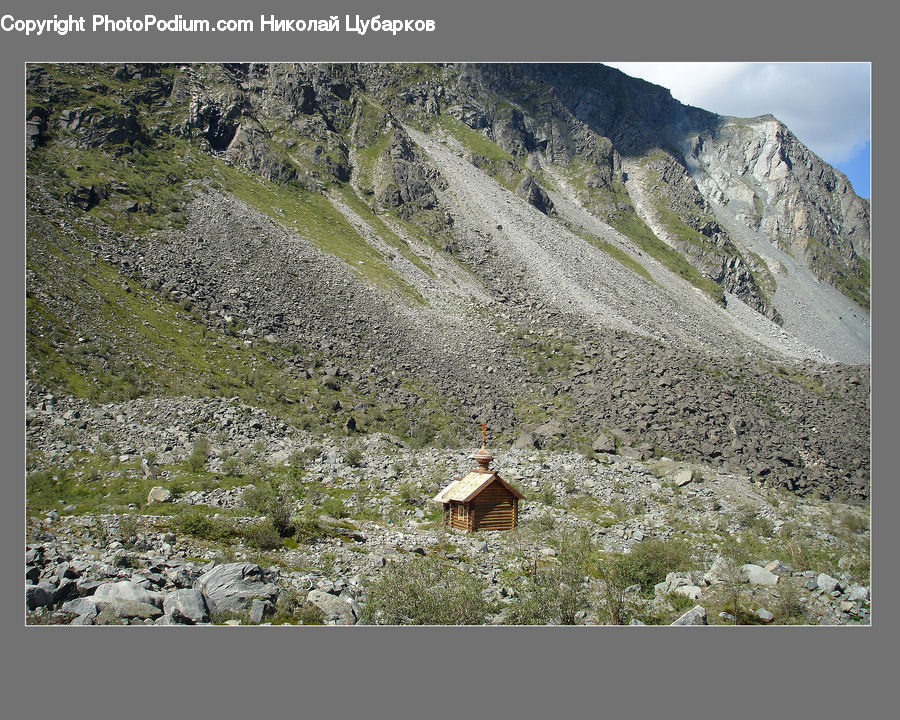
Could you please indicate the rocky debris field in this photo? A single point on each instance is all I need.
(160, 512)
(801, 425)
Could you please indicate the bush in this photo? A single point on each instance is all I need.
(231, 467)
(557, 591)
(257, 499)
(334, 507)
(651, 560)
(354, 456)
(262, 536)
(280, 516)
(425, 591)
(128, 528)
(198, 524)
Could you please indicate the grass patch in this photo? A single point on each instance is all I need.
(632, 227)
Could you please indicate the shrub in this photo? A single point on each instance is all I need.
(128, 527)
(425, 591)
(651, 560)
(280, 516)
(197, 523)
(257, 499)
(354, 456)
(262, 536)
(422, 436)
(231, 467)
(790, 608)
(556, 592)
(334, 507)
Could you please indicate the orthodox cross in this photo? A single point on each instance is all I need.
(483, 427)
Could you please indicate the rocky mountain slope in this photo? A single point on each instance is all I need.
(561, 251)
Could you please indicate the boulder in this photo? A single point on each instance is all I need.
(756, 575)
(764, 615)
(779, 568)
(689, 591)
(716, 571)
(126, 592)
(260, 609)
(695, 616)
(158, 494)
(604, 443)
(186, 605)
(83, 608)
(683, 477)
(234, 586)
(826, 583)
(335, 610)
(128, 609)
(37, 596)
(526, 441)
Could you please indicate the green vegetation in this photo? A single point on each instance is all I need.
(314, 217)
(834, 269)
(617, 254)
(425, 591)
(632, 227)
(380, 228)
(486, 154)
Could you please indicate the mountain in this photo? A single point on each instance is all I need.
(561, 251)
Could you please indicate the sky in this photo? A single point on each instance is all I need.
(826, 105)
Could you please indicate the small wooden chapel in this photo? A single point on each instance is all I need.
(482, 500)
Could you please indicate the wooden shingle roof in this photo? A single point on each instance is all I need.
(464, 489)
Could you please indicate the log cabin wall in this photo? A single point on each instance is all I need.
(494, 508)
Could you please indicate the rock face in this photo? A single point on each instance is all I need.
(772, 181)
(534, 194)
(233, 587)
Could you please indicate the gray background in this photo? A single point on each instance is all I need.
(516, 672)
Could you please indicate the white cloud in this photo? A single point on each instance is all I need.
(826, 105)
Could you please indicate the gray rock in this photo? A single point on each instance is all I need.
(764, 615)
(716, 570)
(260, 609)
(186, 605)
(605, 443)
(127, 609)
(37, 596)
(858, 593)
(779, 568)
(683, 477)
(695, 616)
(233, 587)
(756, 575)
(158, 494)
(80, 606)
(689, 591)
(335, 609)
(126, 592)
(826, 583)
(86, 619)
